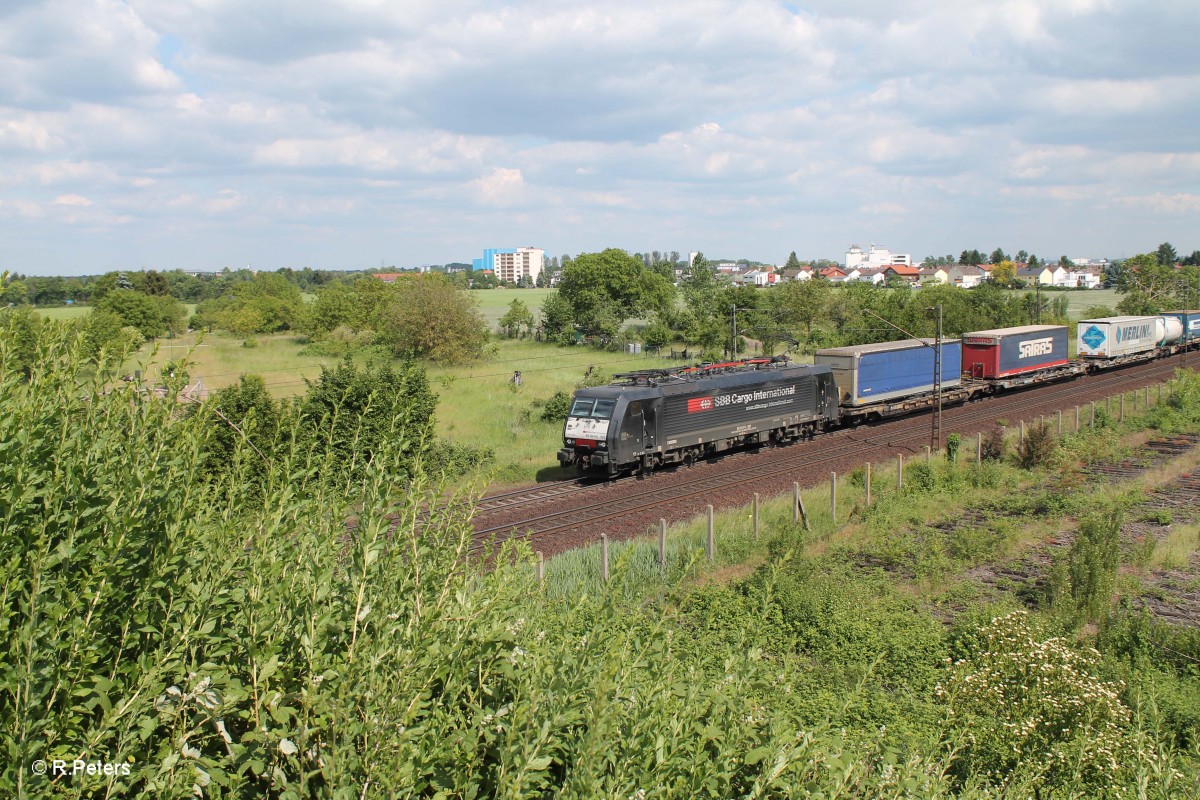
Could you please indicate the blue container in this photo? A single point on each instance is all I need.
(874, 373)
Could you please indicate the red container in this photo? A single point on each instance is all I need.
(1004, 352)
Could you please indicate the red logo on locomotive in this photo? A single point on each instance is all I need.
(700, 404)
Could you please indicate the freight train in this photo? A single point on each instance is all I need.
(651, 418)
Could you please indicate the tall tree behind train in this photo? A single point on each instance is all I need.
(605, 289)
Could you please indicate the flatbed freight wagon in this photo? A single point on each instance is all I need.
(893, 378)
(1122, 338)
(1010, 357)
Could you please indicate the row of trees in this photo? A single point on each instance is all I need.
(601, 291)
(186, 287)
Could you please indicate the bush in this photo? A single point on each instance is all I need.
(1038, 447)
(349, 415)
(1031, 712)
(994, 444)
(1093, 561)
(953, 445)
(556, 408)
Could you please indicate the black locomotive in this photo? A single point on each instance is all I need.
(656, 417)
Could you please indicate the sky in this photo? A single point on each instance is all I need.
(200, 134)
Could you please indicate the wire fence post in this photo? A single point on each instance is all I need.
(1077, 419)
(604, 557)
(1060, 423)
(756, 516)
(541, 567)
(711, 543)
(899, 472)
(833, 497)
(867, 483)
(1092, 423)
(1121, 409)
(1021, 434)
(662, 547)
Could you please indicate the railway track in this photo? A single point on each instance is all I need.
(569, 513)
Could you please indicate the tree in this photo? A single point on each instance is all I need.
(1004, 273)
(612, 286)
(336, 304)
(792, 261)
(1166, 255)
(152, 316)
(972, 257)
(558, 320)
(517, 317)
(1022, 257)
(106, 332)
(427, 317)
(997, 256)
(1149, 286)
(804, 303)
(1065, 262)
(152, 283)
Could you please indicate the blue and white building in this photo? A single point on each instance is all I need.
(512, 265)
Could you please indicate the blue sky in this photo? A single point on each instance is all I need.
(208, 133)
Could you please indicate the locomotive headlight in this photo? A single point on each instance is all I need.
(570, 442)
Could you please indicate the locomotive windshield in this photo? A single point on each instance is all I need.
(593, 407)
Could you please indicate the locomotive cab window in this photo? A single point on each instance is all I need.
(592, 407)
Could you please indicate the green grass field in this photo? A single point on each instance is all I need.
(494, 303)
(65, 312)
(478, 405)
(1079, 301)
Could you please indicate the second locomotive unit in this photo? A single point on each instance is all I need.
(656, 417)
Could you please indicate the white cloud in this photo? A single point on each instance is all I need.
(502, 186)
(207, 127)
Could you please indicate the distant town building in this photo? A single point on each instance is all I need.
(512, 265)
(875, 257)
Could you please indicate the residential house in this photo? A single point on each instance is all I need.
(834, 274)
(873, 275)
(1060, 276)
(966, 276)
(1088, 277)
(387, 277)
(910, 274)
(800, 274)
(1043, 275)
(934, 275)
(760, 277)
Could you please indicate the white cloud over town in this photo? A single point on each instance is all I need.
(206, 133)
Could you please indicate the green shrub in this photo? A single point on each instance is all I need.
(1038, 447)
(953, 445)
(1031, 711)
(556, 408)
(1092, 563)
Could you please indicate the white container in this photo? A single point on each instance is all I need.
(1114, 337)
(1170, 329)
